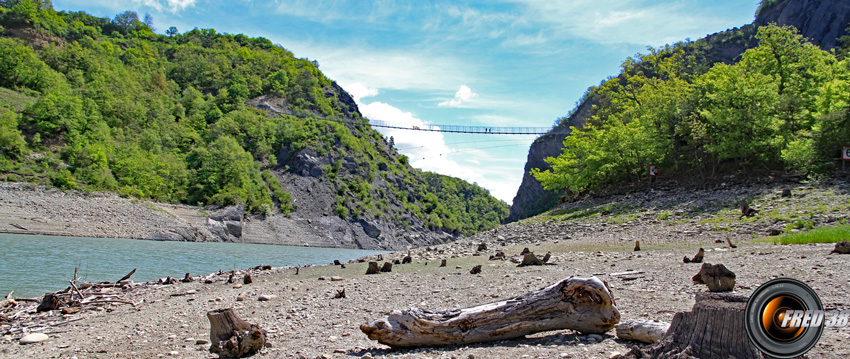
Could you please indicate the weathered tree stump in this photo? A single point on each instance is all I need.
(232, 337)
(167, 280)
(647, 331)
(697, 258)
(786, 192)
(524, 251)
(443, 263)
(188, 278)
(388, 267)
(482, 247)
(637, 246)
(546, 257)
(407, 259)
(337, 263)
(582, 304)
(729, 242)
(713, 329)
(475, 270)
(247, 279)
(842, 247)
(498, 256)
(529, 259)
(746, 211)
(232, 278)
(717, 277)
(50, 302)
(373, 268)
(396, 261)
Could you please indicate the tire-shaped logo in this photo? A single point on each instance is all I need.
(767, 318)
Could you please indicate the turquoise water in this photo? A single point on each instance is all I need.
(33, 265)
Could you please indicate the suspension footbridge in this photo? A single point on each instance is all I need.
(481, 130)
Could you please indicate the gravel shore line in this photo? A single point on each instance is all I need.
(595, 238)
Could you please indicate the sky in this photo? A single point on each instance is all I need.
(500, 63)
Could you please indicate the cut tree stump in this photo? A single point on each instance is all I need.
(247, 279)
(713, 329)
(717, 277)
(637, 246)
(443, 263)
(546, 257)
(373, 268)
(475, 270)
(498, 256)
(407, 259)
(529, 259)
(188, 278)
(581, 304)
(842, 247)
(482, 247)
(647, 331)
(697, 258)
(746, 211)
(388, 267)
(51, 301)
(232, 337)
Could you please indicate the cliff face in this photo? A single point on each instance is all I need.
(822, 21)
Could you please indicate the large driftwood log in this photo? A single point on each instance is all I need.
(232, 337)
(713, 329)
(647, 331)
(529, 259)
(582, 304)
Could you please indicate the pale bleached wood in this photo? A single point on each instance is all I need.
(581, 304)
(647, 331)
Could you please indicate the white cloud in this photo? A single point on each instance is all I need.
(463, 95)
(359, 91)
(168, 5)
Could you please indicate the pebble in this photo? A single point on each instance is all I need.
(202, 341)
(34, 338)
(240, 298)
(189, 340)
(266, 297)
(173, 353)
(336, 279)
(237, 286)
(595, 337)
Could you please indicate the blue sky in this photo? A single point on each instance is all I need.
(478, 63)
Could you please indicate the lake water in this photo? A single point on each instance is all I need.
(33, 265)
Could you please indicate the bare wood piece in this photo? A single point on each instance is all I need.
(697, 258)
(247, 279)
(122, 278)
(842, 247)
(396, 261)
(731, 245)
(231, 279)
(232, 337)
(188, 278)
(529, 259)
(373, 268)
(637, 246)
(647, 331)
(713, 329)
(9, 301)
(77, 290)
(546, 257)
(475, 270)
(388, 267)
(443, 263)
(340, 294)
(581, 304)
(717, 277)
(524, 251)
(407, 259)
(18, 226)
(337, 262)
(482, 247)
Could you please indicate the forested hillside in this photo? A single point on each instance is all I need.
(784, 106)
(202, 118)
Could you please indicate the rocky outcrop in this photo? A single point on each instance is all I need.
(823, 22)
(531, 199)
